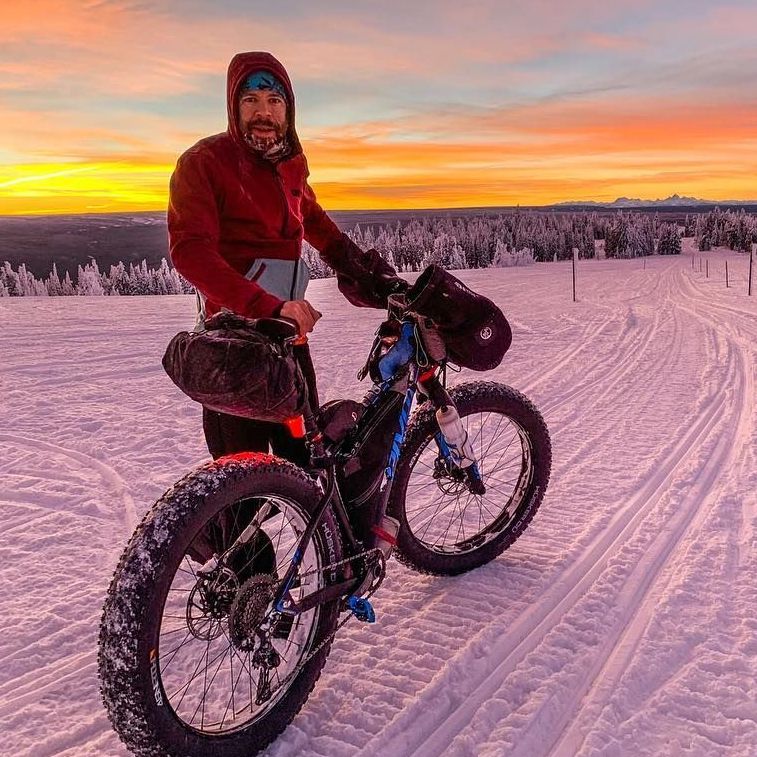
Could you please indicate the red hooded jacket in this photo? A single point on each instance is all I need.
(233, 214)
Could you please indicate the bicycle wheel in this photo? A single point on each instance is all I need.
(191, 661)
(444, 527)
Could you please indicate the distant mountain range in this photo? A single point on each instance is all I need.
(635, 202)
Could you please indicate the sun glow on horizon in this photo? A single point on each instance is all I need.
(121, 186)
(531, 109)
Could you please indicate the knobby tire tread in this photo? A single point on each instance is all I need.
(128, 703)
(469, 398)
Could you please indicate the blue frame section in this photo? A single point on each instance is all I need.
(446, 453)
(399, 436)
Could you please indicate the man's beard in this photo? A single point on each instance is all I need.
(273, 146)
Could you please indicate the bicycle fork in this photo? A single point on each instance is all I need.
(455, 447)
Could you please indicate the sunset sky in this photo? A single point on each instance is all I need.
(400, 104)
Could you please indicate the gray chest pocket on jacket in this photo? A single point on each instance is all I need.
(285, 279)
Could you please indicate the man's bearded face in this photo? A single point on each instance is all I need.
(262, 116)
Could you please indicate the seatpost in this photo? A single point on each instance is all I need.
(312, 404)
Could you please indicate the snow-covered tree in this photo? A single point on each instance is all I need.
(505, 258)
(9, 279)
(88, 280)
(53, 283)
(670, 240)
(67, 287)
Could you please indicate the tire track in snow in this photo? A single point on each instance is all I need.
(28, 688)
(530, 629)
(552, 521)
(630, 349)
(627, 354)
(536, 377)
(557, 527)
(408, 732)
(526, 580)
(544, 553)
(637, 596)
(113, 481)
(635, 587)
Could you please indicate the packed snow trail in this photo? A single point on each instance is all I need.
(622, 622)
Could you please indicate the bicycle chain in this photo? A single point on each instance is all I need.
(331, 566)
(371, 591)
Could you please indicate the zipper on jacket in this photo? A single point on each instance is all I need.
(284, 227)
(294, 278)
(283, 192)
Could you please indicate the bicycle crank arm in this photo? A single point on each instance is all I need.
(327, 594)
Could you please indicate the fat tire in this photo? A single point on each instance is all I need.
(139, 584)
(471, 397)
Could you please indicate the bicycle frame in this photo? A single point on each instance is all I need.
(332, 497)
(400, 362)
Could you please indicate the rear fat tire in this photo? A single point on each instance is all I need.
(132, 612)
(469, 398)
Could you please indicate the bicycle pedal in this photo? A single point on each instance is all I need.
(362, 609)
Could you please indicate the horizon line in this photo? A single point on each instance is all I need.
(561, 203)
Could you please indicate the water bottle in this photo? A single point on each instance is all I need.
(455, 435)
(386, 534)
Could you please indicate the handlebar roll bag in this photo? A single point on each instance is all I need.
(234, 368)
(475, 331)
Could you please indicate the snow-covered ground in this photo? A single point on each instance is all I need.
(624, 621)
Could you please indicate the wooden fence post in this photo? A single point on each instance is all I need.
(726, 274)
(575, 257)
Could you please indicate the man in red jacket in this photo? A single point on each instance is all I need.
(240, 206)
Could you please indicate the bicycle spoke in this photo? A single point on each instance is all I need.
(494, 436)
(431, 520)
(504, 452)
(455, 519)
(206, 688)
(173, 652)
(196, 673)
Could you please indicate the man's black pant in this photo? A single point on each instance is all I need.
(227, 434)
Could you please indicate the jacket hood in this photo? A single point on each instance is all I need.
(241, 66)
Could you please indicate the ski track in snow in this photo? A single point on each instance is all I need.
(621, 623)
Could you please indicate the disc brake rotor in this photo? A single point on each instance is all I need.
(209, 603)
(449, 480)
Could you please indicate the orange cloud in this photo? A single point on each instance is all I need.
(544, 155)
(562, 134)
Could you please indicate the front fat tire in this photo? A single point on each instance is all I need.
(469, 398)
(135, 598)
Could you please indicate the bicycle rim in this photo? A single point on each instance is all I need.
(442, 513)
(205, 673)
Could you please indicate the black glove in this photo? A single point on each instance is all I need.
(384, 277)
(364, 278)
